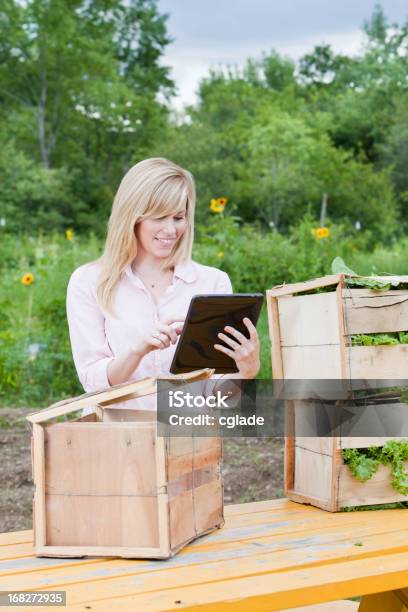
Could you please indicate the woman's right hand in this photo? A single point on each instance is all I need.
(159, 336)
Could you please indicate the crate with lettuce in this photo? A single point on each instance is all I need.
(355, 328)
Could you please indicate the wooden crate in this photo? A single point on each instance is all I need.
(310, 334)
(311, 339)
(107, 485)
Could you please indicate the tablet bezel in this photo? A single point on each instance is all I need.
(258, 303)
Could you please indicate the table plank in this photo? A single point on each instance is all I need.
(16, 537)
(275, 543)
(268, 592)
(230, 543)
(266, 523)
(90, 584)
(277, 552)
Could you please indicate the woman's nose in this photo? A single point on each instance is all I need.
(169, 225)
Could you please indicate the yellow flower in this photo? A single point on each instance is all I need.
(69, 233)
(322, 232)
(215, 207)
(220, 254)
(218, 206)
(27, 279)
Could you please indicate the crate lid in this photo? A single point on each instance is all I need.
(326, 281)
(130, 390)
(288, 289)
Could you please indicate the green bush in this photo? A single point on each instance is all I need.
(35, 198)
(36, 366)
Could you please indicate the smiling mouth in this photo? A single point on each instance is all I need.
(166, 242)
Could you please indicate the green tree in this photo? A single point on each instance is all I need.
(290, 165)
(79, 85)
(98, 59)
(395, 153)
(360, 92)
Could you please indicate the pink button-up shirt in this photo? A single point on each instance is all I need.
(97, 337)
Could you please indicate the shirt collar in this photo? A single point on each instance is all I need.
(185, 271)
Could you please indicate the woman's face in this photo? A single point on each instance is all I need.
(159, 236)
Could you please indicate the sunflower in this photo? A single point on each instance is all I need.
(27, 279)
(69, 234)
(322, 232)
(218, 206)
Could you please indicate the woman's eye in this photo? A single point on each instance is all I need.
(175, 218)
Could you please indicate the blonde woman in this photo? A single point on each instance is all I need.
(126, 310)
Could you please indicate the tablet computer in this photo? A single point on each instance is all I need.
(206, 317)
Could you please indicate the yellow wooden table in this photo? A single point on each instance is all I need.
(271, 555)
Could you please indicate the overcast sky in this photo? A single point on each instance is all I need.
(211, 32)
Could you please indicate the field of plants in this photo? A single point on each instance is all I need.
(36, 366)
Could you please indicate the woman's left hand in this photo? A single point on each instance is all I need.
(244, 351)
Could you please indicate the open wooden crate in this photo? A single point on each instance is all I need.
(311, 339)
(106, 484)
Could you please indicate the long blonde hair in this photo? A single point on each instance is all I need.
(154, 187)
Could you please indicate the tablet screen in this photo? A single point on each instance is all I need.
(207, 316)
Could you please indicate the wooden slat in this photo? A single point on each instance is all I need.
(341, 327)
(312, 362)
(367, 313)
(325, 281)
(16, 537)
(128, 552)
(301, 519)
(268, 591)
(163, 510)
(289, 450)
(128, 467)
(126, 415)
(151, 580)
(321, 503)
(313, 474)
(81, 521)
(301, 548)
(379, 362)
(39, 495)
(376, 490)
(290, 289)
(146, 387)
(323, 543)
(275, 337)
(276, 505)
(139, 388)
(321, 445)
(309, 320)
(332, 606)
(183, 465)
(16, 551)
